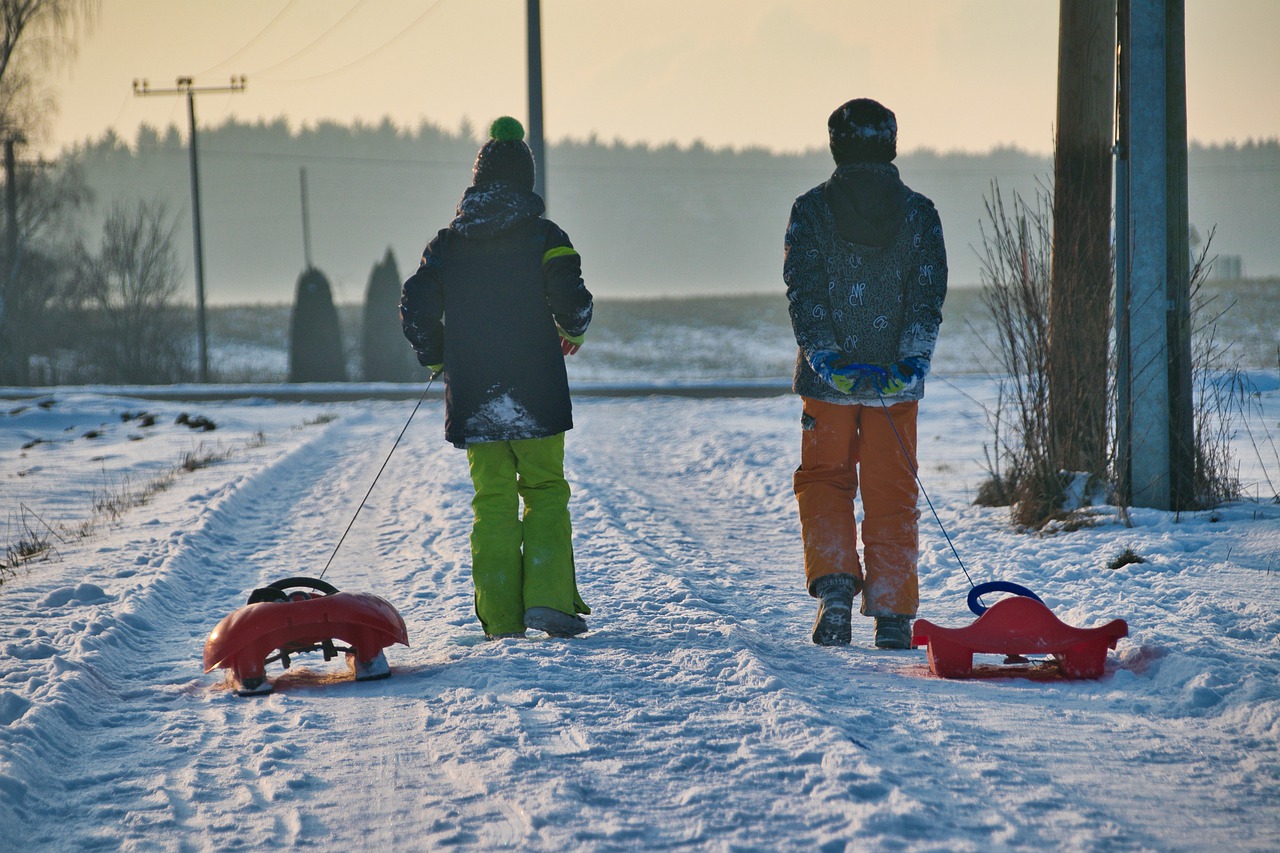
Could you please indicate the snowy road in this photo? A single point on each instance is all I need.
(695, 714)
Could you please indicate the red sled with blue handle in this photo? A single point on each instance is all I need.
(1015, 627)
(298, 615)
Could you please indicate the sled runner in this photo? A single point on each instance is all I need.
(297, 615)
(1015, 627)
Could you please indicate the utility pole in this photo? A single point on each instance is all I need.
(1153, 292)
(11, 198)
(535, 98)
(1080, 286)
(306, 219)
(186, 86)
(18, 372)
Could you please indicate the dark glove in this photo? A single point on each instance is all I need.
(843, 375)
(902, 375)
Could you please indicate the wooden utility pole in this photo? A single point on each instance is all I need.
(535, 98)
(12, 368)
(11, 200)
(186, 87)
(1154, 414)
(1080, 286)
(306, 219)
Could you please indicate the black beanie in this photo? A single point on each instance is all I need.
(505, 157)
(863, 131)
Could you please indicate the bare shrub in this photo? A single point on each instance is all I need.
(133, 329)
(1224, 400)
(1015, 270)
(33, 541)
(1024, 471)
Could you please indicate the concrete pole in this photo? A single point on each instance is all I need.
(1155, 414)
(1148, 308)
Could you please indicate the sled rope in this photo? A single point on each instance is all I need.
(924, 491)
(363, 500)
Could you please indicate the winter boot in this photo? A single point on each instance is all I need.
(835, 609)
(554, 622)
(893, 632)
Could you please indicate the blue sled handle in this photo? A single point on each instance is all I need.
(982, 589)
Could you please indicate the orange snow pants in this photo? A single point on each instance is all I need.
(842, 448)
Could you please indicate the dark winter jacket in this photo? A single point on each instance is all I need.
(866, 276)
(486, 302)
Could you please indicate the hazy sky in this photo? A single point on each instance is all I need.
(960, 74)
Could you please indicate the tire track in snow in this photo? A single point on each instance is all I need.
(141, 667)
(681, 564)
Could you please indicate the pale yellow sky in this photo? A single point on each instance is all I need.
(960, 74)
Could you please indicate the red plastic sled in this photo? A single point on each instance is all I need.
(1018, 626)
(277, 623)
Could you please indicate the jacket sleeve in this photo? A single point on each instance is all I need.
(804, 271)
(927, 287)
(422, 306)
(567, 296)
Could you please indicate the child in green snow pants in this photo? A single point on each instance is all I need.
(520, 559)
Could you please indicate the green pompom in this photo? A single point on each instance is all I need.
(506, 129)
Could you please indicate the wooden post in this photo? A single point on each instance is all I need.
(1080, 288)
(1124, 407)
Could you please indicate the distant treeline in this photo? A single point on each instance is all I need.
(648, 220)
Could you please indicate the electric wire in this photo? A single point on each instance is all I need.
(336, 24)
(251, 42)
(403, 32)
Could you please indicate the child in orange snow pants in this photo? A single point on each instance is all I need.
(839, 443)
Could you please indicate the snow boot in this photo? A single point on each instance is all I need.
(509, 635)
(835, 610)
(893, 632)
(554, 622)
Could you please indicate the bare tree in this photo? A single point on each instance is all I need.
(35, 36)
(133, 328)
(34, 285)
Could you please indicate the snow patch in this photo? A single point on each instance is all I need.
(83, 593)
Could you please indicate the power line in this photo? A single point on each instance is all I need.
(402, 34)
(336, 24)
(251, 42)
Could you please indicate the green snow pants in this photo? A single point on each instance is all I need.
(521, 560)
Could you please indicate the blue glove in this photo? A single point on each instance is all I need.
(843, 375)
(902, 375)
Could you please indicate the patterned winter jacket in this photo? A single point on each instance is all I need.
(486, 302)
(866, 276)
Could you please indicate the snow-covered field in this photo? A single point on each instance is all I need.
(695, 714)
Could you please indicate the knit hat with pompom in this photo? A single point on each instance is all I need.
(505, 157)
(863, 131)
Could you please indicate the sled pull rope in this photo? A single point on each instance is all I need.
(405, 429)
(924, 491)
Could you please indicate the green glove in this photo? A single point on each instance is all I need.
(570, 344)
